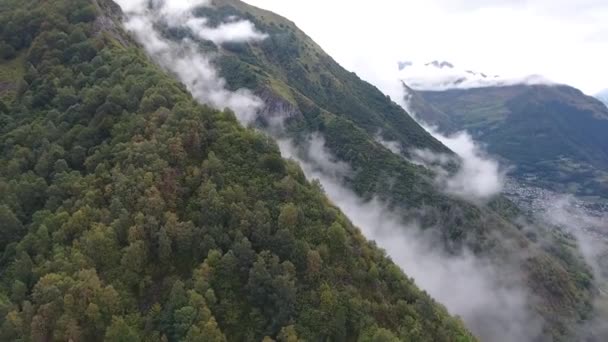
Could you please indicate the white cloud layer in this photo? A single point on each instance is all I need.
(237, 31)
(191, 67)
(479, 177)
(468, 286)
(425, 76)
(565, 41)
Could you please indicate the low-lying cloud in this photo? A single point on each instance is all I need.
(590, 230)
(478, 178)
(466, 285)
(586, 222)
(392, 146)
(238, 31)
(183, 58)
(439, 77)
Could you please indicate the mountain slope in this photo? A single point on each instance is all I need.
(555, 135)
(297, 80)
(129, 212)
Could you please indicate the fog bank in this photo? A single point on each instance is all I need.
(466, 285)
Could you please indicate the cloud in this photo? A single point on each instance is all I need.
(511, 38)
(421, 76)
(392, 146)
(239, 31)
(181, 6)
(589, 228)
(563, 7)
(586, 222)
(183, 58)
(492, 307)
(478, 178)
(588, 225)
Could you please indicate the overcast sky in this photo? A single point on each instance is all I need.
(563, 40)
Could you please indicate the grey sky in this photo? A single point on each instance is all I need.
(564, 40)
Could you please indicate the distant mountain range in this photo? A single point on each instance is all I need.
(554, 135)
(442, 75)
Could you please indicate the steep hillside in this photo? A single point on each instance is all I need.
(555, 135)
(129, 212)
(299, 83)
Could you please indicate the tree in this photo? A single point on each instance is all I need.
(66, 97)
(288, 334)
(83, 14)
(7, 51)
(336, 236)
(100, 244)
(271, 287)
(11, 229)
(314, 265)
(288, 218)
(205, 332)
(3, 107)
(164, 248)
(379, 335)
(120, 331)
(183, 319)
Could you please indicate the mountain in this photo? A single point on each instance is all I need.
(554, 135)
(443, 75)
(307, 94)
(133, 210)
(130, 212)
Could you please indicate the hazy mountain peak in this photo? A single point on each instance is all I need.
(443, 75)
(440, 65)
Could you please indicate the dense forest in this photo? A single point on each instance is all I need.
(129, 212)
(291, 72)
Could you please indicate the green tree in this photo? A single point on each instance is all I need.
(7, 51)
(288, 218)
(120, 331)
(10, 227)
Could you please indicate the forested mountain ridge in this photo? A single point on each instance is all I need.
(292, 74)
(129, 212)
(554, 134)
